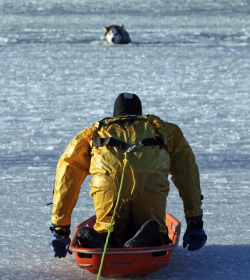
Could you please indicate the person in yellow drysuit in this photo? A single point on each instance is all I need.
(155, 149)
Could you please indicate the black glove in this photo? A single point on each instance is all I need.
(60, 241)
(194, 236)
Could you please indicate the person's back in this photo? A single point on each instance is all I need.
(145, 160)
(146, 178)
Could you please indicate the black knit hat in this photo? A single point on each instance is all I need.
(127, 104)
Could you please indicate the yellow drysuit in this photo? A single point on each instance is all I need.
(151, 166)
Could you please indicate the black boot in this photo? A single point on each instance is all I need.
(147, 236)
(90, 238)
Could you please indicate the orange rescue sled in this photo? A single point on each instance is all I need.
(125, 261)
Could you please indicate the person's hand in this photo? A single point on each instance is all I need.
(60, 245)
(194, 237)
(60, 241)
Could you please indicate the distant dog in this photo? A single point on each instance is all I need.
(115, 34)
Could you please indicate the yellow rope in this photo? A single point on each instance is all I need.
(111, 228)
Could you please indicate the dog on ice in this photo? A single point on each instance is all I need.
(115, 34)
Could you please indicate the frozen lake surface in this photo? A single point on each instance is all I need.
(189, 63)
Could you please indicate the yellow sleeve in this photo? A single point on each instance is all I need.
(185, 174)
(72, 169)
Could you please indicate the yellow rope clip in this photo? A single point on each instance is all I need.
(111, 228)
